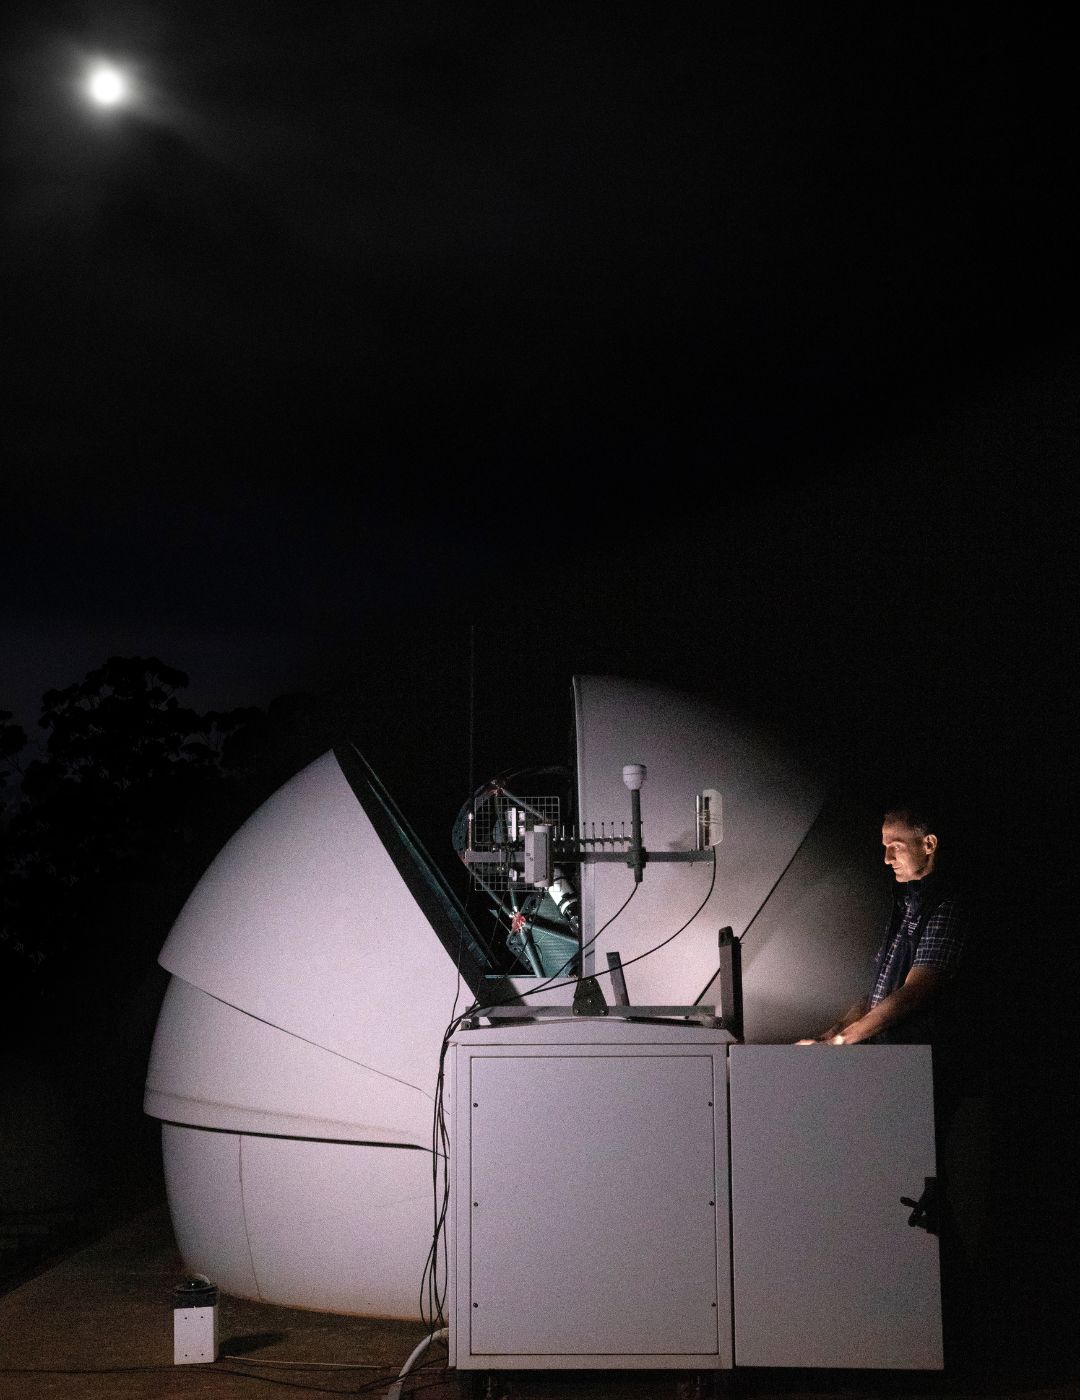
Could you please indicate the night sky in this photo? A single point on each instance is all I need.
(732, 346)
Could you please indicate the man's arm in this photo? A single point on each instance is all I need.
(856, 1010)
(919, 987)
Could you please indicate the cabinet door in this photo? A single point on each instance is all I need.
(826, 1269)
(593, 1206)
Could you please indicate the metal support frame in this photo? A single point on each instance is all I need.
(565, 853)
(698, 1015)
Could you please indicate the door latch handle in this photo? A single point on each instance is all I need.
(925, 1214)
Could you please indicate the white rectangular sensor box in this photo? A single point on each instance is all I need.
(538, 856)
(195, 1335)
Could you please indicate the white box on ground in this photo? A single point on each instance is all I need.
(195, 1322)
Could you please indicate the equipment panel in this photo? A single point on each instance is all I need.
(826, 1146)
(591, 1203)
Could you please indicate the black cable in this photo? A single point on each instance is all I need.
(589, 942)
(779, 877)
(299, 1365)
(81, 1370)
(431, 1310)
(432, 1295)
(212, 1368)
(377, 1383)
(430, 1385)
(663, 944)
(605, 972)
(532, 991)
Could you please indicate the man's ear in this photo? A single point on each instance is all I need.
(930, 843)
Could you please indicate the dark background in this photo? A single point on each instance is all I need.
(384, 356)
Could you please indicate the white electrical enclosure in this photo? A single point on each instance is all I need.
(824, 1143)
(590, 1197)
(591, 1201)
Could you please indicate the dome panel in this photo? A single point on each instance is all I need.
(339, 1227)
(213, 1066)
(304, 921)
(206, 1203)
(811, 951)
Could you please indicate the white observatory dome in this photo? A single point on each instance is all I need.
(316, 966)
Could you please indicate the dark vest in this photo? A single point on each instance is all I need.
(921, 1027)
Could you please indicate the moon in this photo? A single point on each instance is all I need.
(107, 86)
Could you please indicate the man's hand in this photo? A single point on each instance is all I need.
(838, 1027)
(850, 1035)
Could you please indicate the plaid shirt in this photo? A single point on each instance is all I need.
(925, 930)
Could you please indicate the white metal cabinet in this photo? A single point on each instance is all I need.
(591, 1201)
(827, 1271)
(590, 1198)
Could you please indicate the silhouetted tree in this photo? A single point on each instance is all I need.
(12, 743)
(108, 831)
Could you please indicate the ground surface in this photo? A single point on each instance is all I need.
(98, 1325)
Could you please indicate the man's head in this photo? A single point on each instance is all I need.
(910, 843)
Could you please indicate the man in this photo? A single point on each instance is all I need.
(918, 960)
(912, 999)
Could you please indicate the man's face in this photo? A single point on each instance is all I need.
(909, 855)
